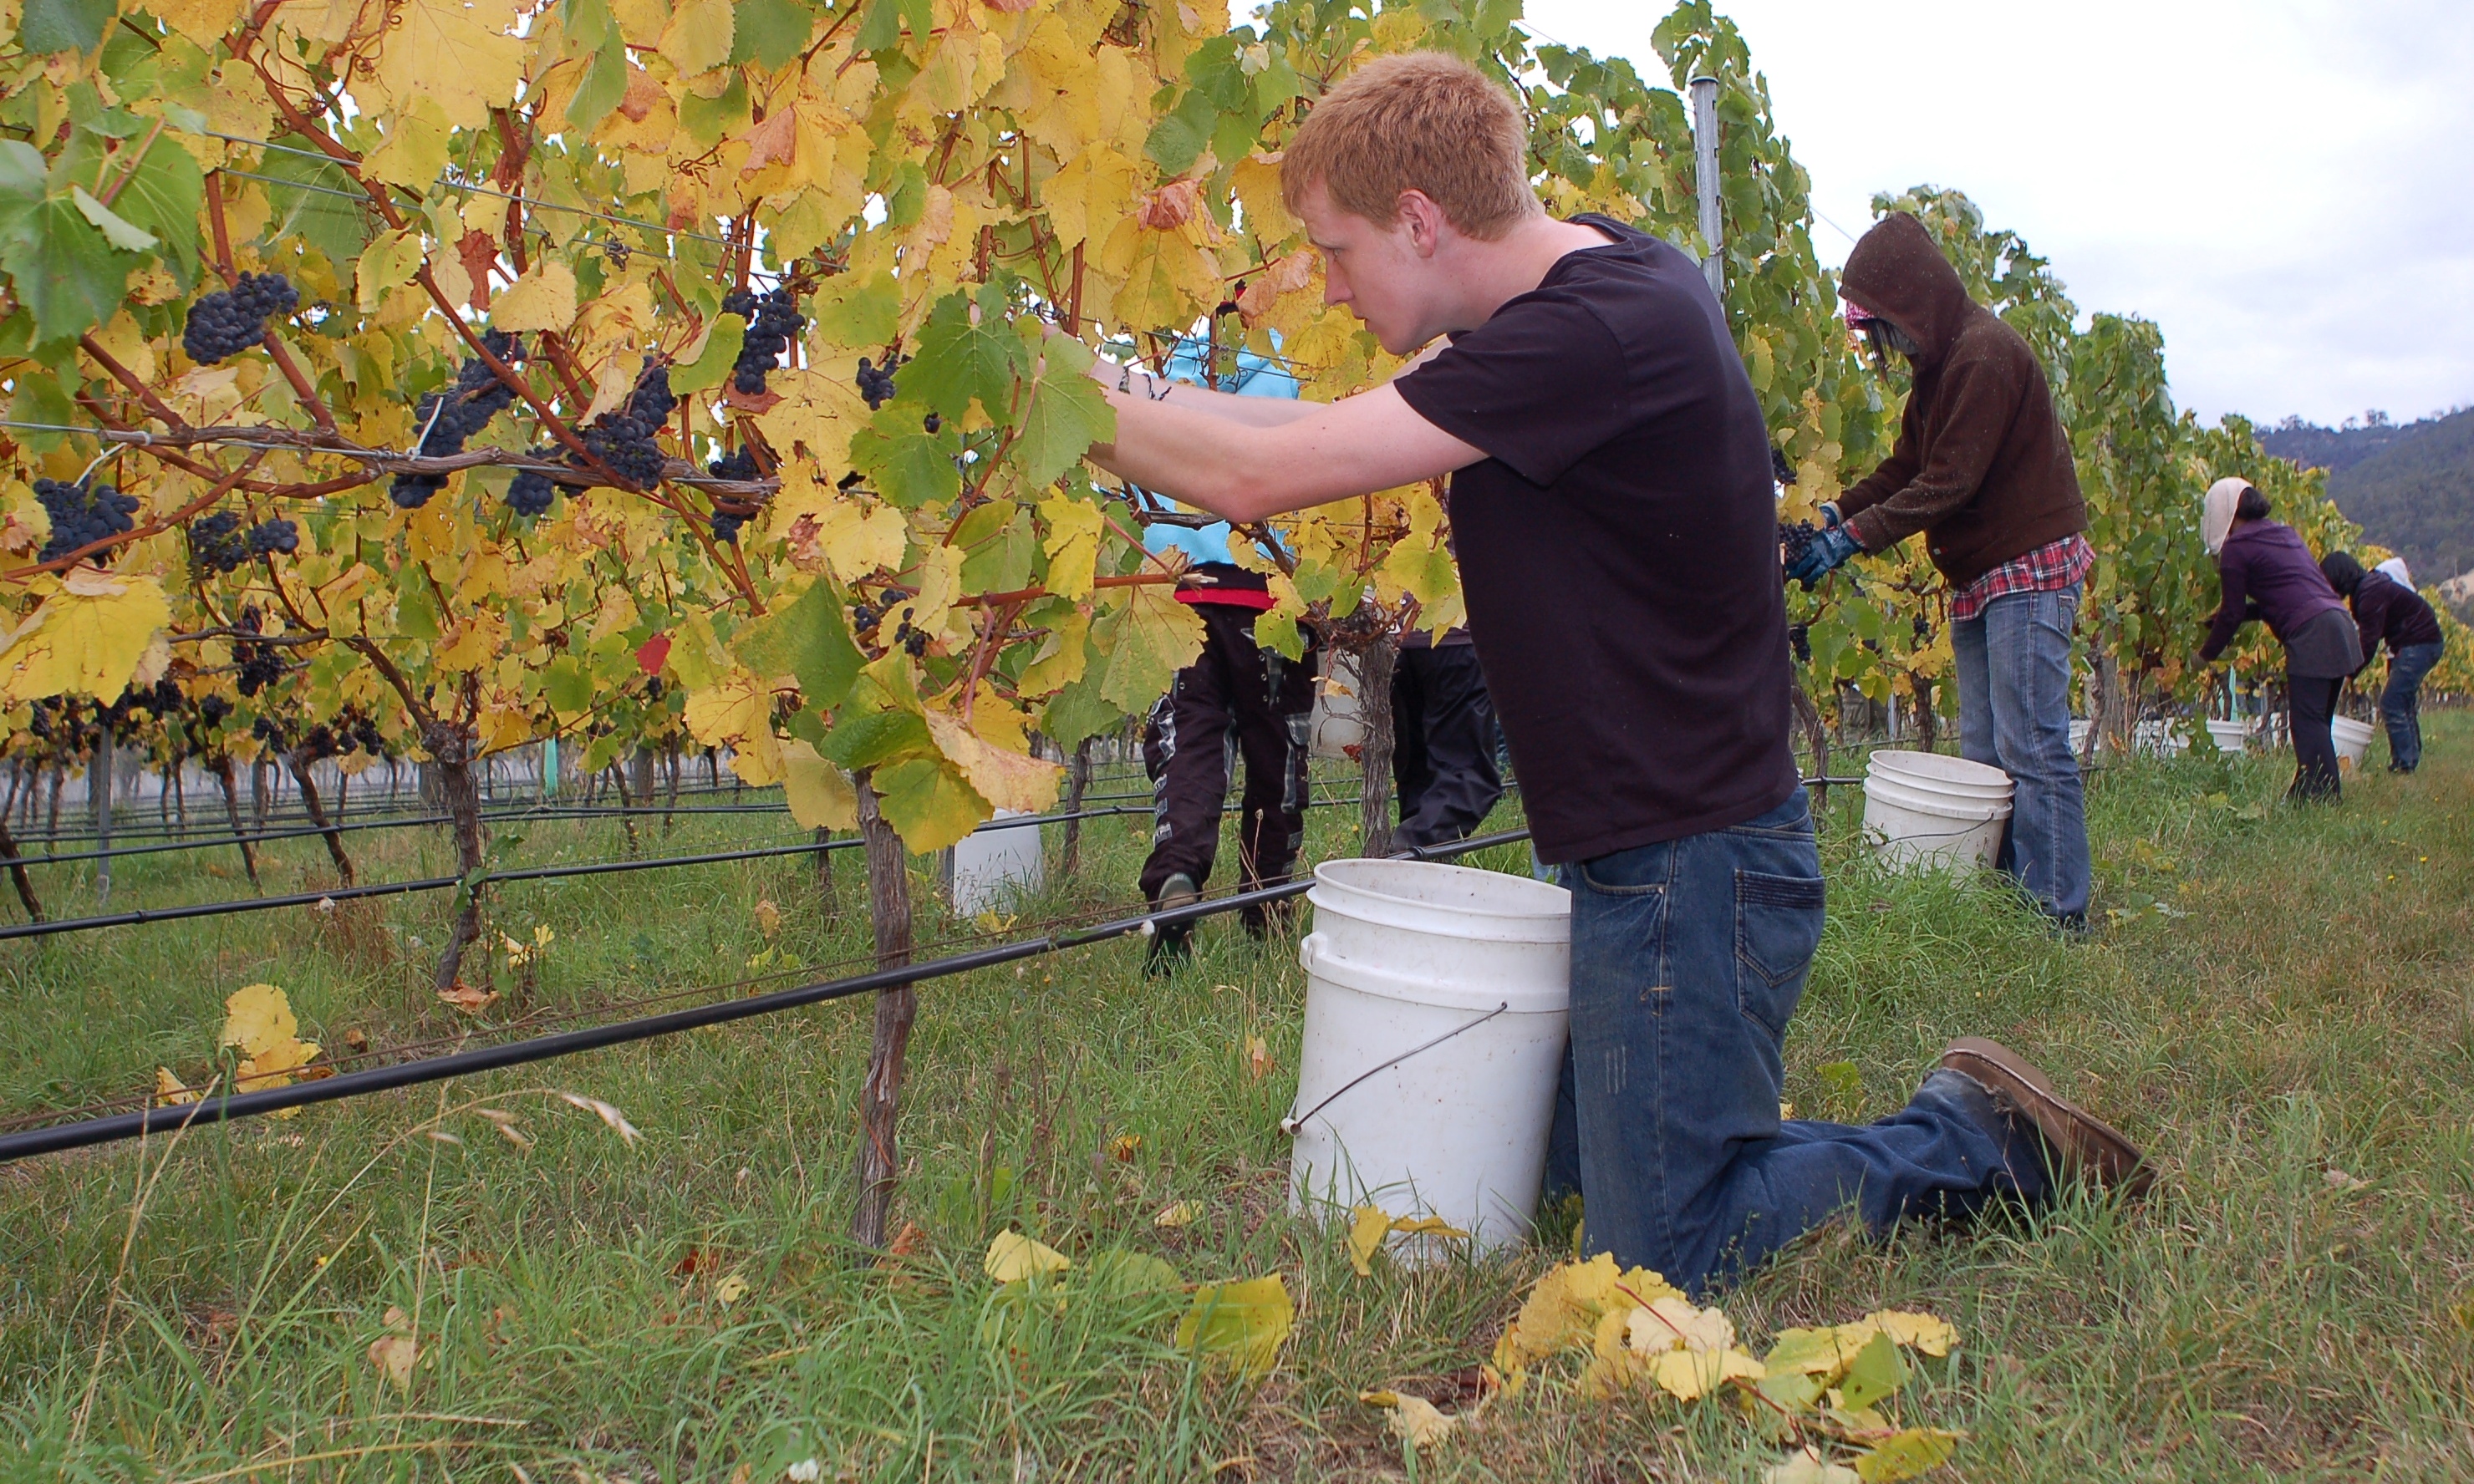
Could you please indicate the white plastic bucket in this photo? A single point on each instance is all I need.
(997, 867)
(2229, 737)
(1435, 1000)
(1336, 723)
(2353, 740)
(1923, 823)
(1939, 771)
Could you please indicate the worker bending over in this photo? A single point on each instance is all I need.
(1612, 512)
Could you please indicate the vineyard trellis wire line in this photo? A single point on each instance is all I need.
(124, 1127)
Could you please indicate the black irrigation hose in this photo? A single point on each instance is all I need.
(119, 1128)
(206, 909)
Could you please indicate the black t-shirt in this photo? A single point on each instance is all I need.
(1618, 549)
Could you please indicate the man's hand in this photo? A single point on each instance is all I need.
(1828, 551)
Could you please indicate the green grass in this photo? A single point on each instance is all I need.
(2266, 1008)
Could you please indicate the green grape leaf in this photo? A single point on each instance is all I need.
(965, 354)
(907, 465)
(711, 366)
(926, 803)
(63, 268)
(859, 742)
(1876, 1372)
(1067, 415)
(63, 25)
(808, 640)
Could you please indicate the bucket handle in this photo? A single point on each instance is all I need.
(1291, 1125)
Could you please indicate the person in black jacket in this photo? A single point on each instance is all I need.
(2385, 608)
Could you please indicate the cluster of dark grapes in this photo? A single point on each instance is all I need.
(1795, 539)
(81, 513)
(213, 709)
(453, 416)
(1799, 638)
(234, 319)
(623, 440)
(531, 492)
(876, 382)
(1781, 472)
(772, 318)
(740, 465)
(260, 665)
(217, 543)
(864, 617)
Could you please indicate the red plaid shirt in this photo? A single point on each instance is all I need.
(2048, 568)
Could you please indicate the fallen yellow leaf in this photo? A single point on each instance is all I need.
(1176, 1214)
(1013, 1257)
(1245, 1323)
(1368, 1225)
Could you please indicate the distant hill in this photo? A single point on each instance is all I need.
(2410, 487)
(2313, 446)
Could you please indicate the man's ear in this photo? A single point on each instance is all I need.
(1423, 221)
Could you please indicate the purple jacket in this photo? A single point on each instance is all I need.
(2268, 573)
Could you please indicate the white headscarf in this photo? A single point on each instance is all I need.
(2394, 567)
(2217, 521)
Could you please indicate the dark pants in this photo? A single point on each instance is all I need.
(1442, 744)
(2400, 704)
(2312, 700)
(1689, 959)
(1237, 697)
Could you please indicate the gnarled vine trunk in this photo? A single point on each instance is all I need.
(450, 749)
(1078, 783)
(1374, 665)
(299, 766)
(231, 811)
(888, 903)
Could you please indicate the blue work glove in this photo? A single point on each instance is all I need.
(1829, 517)
(1829, 551)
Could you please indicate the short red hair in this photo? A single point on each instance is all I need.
(1420, 121)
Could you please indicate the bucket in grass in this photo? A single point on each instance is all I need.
(1435, 1022)
(997, 867)
(2353, 740)
(1928, 811)
(2229, 737)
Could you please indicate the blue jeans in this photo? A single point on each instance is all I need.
(2014, 714)
(1688, 960)
(2400, 703)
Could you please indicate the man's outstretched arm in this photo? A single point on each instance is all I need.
(1241, 473)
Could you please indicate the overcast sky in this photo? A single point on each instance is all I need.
(2286, 186)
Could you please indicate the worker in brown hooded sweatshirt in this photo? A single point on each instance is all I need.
(1983, 467)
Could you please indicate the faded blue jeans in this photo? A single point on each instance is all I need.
(2014, 714)
(1688, 960)
(2400, 703)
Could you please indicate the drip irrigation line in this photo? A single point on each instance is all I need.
(122, 1127)
(341, 894)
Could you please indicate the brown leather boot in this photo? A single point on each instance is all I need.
(2083, 1146)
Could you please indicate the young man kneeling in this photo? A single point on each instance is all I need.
(1612, 512)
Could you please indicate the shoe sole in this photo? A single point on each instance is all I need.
(2086, 1146)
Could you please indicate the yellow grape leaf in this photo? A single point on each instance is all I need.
(1096, 186)
(769, 916)
(1428, 1226)
(1564, 1309)
(1916, 1330)
(730, 1289)
(1368, 1225)
(1168, 279)
(698, 39)
(1146, 643)
(257, 1017)
(819, 793)
(862, 538)
(1906, 1454)
(542, 300)
(89, 638)
(1688, 1374)
(1256, 180)
(724, 713)
(1013, 1257)
(1007, 779)
(455, 52)
(1176, 1214)
(1670, 1322)
(1413, 1420)
(415, 150)
(928, 803)
(1242, 1322)
(1806, 1466)
(1062, 657)
(200, 21)
(388, 262)
(171, 1090)
(1072, 544)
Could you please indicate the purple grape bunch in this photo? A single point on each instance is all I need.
(772, 318)
(225, 323)
(456, 415)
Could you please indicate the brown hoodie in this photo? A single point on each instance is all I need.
(1982, 465)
